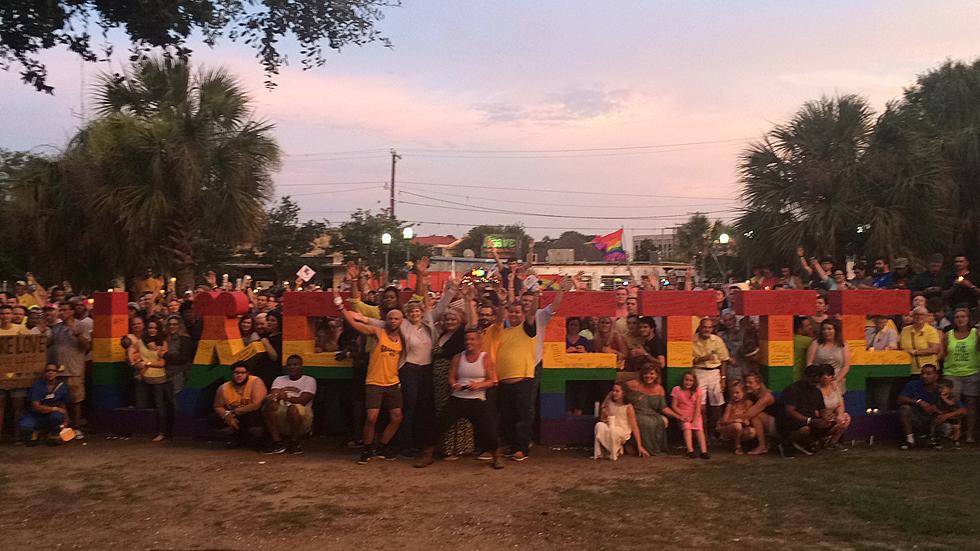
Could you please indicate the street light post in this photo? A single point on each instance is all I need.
(408, 233)
(386, 241)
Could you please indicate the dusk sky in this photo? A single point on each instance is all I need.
(531, 79)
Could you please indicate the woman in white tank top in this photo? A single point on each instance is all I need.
(472, 372)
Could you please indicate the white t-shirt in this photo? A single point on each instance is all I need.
(294, 388)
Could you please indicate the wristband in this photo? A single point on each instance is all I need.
(808, 419)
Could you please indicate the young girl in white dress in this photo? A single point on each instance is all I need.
(618, 422)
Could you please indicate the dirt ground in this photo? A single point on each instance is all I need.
(132, 494)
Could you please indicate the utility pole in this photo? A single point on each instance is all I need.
(391, 207)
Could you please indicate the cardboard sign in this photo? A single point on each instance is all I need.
(306, 273)
(22, 359)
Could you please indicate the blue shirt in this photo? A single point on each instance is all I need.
(917, 391)
(883, 280)
(39, 393)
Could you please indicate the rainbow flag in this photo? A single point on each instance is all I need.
(611, 245)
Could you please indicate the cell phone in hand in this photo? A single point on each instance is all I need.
(464, 387)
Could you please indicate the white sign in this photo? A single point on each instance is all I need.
(305, 273)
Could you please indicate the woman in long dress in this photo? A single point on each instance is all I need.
(647, 397)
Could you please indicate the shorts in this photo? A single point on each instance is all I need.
(968, 385)
(280, 416)
(14, 393)
(76, 388)
(921, 421)
(387, 397)
(709, 383)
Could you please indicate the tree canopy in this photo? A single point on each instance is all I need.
(29, 27)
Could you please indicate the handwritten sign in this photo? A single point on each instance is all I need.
(678, 303)
(22, 359)
(306, 273)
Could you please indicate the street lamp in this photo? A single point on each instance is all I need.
(408, 233)
(724, 238)
(386, 241)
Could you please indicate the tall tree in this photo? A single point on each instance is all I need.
(944, 104)
(285, 239)
(29, 27)
(359, 239)
(839, 182)
(579, 242)
(172, 156)
(475, 238)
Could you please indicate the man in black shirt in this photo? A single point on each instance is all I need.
(962, 288)
(799, 423)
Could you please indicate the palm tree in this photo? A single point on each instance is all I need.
(838, 182)
(172, 156)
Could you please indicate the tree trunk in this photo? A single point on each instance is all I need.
(181, 247)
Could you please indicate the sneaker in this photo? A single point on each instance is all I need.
(274, 448)
(450, 458)
(367, 455)
(485, 456)
(935, 444)
(295, 448)
(705, 455)
(801, 449)
(519, 456)
(690, 455)
(906, 445)
(79, 435)
(389, 454)
(837, 446)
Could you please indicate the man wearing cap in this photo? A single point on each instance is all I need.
(902, 277)
(921, 340)
(48, 411)
(25, 294)
(930, 282)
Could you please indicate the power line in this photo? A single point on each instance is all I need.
(592, 205)
(332, 159)
(571, 192)
(564, 155)
(527, 151)
(334, 191)
(331, 183)
(476, 208)
(566, 228)
(349, 152)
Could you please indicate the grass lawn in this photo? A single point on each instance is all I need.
(860, 499)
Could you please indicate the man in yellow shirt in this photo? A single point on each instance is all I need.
(515, 371)
(921, 340)
(710, 353)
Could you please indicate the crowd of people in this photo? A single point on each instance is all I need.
(455, 371)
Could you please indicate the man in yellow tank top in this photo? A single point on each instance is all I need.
(237, 404)
(382, 387)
